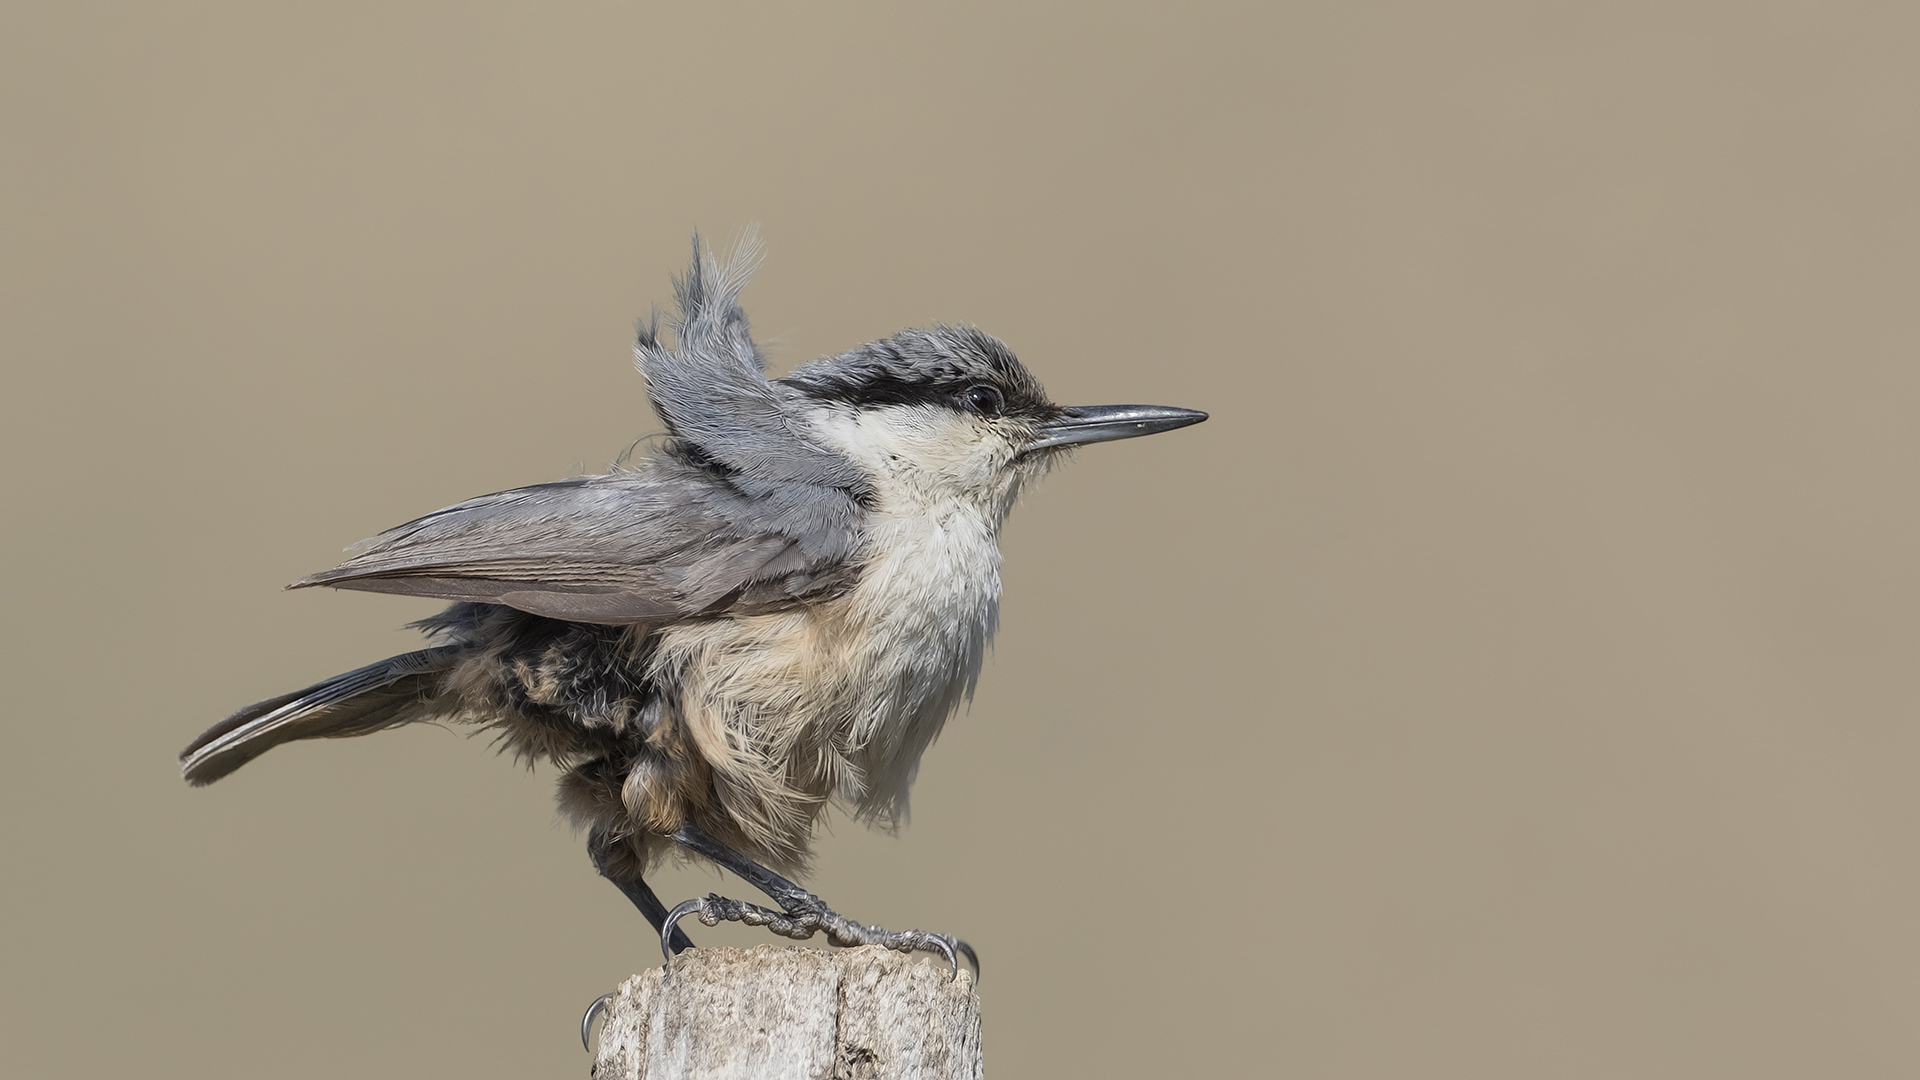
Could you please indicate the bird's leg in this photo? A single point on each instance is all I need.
(801, 913)
(600, 848)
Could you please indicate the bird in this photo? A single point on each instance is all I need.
(770, 615)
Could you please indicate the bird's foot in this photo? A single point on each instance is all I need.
(809, 916)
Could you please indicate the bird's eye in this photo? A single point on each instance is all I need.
(984, 400)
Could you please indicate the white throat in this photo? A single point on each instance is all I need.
(929, 588)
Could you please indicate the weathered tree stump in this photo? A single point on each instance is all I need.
(807, 1014)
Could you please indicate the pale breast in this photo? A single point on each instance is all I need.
(926, 604)
(841, 698)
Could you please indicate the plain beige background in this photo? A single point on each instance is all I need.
(1516, 678)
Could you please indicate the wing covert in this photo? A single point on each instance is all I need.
(618, 548)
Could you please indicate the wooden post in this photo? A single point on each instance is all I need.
(809, 1014)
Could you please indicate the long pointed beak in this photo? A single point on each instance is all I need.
(1104, 423)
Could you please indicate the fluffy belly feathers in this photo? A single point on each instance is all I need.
(840, 699)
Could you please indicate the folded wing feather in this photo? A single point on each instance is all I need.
(616, 549)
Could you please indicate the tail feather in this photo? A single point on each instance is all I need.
(362, 701)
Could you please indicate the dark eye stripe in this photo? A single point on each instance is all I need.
(928, 368)
(876, 388)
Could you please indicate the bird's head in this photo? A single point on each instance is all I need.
(926, 417)
(951, 414)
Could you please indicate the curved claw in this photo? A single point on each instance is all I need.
(946, 950)
(586, 1022)
(973, 960)
(680, 911)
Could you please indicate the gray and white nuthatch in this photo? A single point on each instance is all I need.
(777, 610)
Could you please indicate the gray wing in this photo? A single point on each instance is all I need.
(742, 513)
(620, 548)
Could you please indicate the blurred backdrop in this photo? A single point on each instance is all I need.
(1515, 678)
